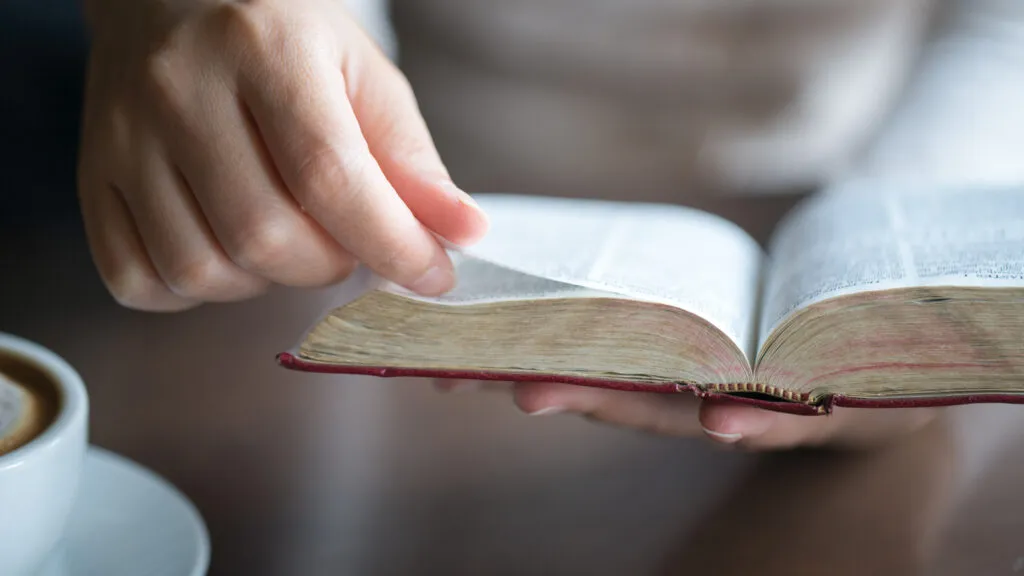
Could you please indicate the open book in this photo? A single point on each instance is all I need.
(880, 298)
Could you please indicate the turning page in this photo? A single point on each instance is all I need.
(856, 240)
(481, 281)
(658, 253)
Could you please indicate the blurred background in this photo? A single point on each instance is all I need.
(308, 474)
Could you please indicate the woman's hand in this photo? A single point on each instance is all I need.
(231, 145)
(722, 422)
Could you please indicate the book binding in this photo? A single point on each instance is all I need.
(824, 406)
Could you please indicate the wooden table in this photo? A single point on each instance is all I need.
(304, 474)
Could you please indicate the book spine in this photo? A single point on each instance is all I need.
(759, 388)
(293, 361)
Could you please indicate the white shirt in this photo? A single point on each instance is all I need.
(672, 99)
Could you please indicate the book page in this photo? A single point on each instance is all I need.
(873, 237)
(658, 253)
(481, 281)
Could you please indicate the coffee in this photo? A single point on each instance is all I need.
(29, 401)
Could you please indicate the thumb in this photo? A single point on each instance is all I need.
(761, 429)
(399, 140)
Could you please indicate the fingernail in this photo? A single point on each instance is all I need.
(743, 422)
(728, 438)
(547, 411)
(435, 281)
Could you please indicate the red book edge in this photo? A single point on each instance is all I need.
(292, 362)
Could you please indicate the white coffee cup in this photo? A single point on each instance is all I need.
(39, 480)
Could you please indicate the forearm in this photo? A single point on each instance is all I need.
(961, 119)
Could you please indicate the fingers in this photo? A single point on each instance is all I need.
(671, 414)
(311, 131)
(119, 254)
(264, 172)
(721, 421)
(177, 238)
(261, 228)
(399, 140)
(760, 429)
(462, 385)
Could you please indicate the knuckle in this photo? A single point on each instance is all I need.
(264, 245)
(397, 259)
(167, 80)
(406, 132)
(326, 169)
(414, 144)
(198, 279)
(244, 29)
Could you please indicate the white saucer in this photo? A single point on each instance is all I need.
(130, 522)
